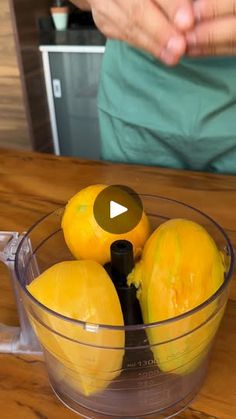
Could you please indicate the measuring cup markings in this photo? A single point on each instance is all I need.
(152, 397)
(157, 383)
(142, 363)
(151, 374)
(146, 383)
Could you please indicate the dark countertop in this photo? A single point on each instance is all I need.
(72, 37)
(81, 32)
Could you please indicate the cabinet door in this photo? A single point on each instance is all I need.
(75, 79)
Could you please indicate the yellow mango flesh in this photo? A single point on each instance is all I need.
(80, 290)
(85, 238)
(180, 268)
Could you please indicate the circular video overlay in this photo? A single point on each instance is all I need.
(118, 209)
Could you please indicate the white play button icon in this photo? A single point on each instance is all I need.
(116, 209)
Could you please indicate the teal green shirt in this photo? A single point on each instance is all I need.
(183, 116)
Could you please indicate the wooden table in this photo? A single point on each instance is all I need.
(34, 184)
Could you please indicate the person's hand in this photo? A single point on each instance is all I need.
(82, 4)
(156, 26)
(215, 31)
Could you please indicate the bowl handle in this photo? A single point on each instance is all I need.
(16, 339)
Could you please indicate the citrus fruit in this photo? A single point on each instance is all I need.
(85, 238)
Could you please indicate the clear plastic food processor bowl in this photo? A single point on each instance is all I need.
(155, 381)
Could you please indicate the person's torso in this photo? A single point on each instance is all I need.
(195, 98)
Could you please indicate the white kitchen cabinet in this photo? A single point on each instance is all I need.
(72, 76)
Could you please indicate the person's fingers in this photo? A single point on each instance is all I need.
(179, 12)
(109, 18)
(168, 54)
(151, 22)
(213, 33)
(210, 9)
(143, 26)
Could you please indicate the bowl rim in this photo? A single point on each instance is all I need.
(144, 326)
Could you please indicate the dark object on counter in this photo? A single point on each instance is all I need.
(78, 20)
(59, 3)
(122, 263)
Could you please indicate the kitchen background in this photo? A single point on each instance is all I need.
(48, 80)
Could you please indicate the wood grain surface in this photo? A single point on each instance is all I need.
(32, 74)
(13, 124)
(34, 184)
